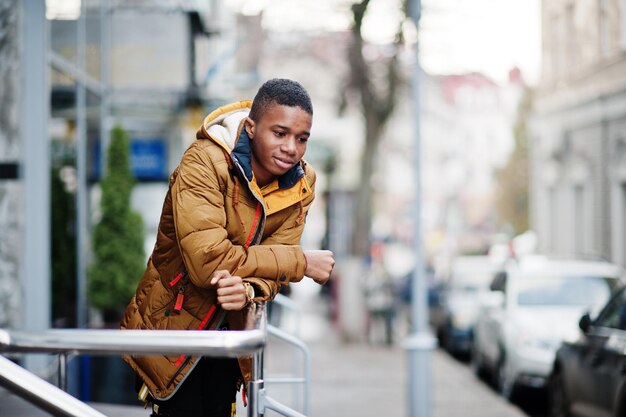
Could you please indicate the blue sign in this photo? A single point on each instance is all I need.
(148, 159)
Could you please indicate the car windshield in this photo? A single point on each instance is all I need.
(564, 290)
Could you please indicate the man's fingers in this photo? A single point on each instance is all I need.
(231, 293)
(320, 264)
(218, 275)
(232, 306)
(231, 298)
(322, 280)
(230, 289)
(232, 301)
(229, 282)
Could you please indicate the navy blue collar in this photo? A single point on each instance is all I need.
(243, 156)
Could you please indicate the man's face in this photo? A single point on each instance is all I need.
(278, 141)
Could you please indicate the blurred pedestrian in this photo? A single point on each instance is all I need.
(229, 235)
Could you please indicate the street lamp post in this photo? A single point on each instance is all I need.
(420, 343)
(35, 173)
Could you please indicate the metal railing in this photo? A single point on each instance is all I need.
(293, 340)
(250, 341)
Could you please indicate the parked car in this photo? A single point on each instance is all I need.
(589, 374)
(454, 317)
(534, 305)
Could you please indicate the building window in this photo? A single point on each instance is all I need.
(579, 220)
(553, 224)
(557, 49)
(622, 238)
(571, 37)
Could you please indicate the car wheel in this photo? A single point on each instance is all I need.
(476, 362)
(448, 343)
(557, 398)
(441, 337)
(621, 404)
(503, 382)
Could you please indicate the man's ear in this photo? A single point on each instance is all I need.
(249, 126)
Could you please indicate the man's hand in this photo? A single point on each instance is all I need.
(231, 293)
(319, 265)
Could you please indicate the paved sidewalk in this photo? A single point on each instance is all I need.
(368, 381)
(363, 380)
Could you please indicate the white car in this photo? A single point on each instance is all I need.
(534, 305)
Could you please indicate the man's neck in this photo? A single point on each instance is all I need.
(261, 176)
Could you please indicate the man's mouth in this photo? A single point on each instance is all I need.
(283, 163)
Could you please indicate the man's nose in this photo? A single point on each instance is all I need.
(289, 145)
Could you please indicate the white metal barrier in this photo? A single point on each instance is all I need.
(305, 379)
(250, 341)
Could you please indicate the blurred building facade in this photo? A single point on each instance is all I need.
(467, 130)
(155, 90)
(578, 130)
(11, 189)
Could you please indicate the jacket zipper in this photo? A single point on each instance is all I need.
(259, 232)
(183, 360)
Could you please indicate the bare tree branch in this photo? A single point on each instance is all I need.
(377, 103)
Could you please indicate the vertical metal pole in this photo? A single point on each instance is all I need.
(105, 75)
(81, 174)
(63, 371)
(420, 343)
(262, 393)
(307, 382)
(34, 113)
(255, 387)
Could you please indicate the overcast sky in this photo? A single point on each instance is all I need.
(490, 36)
(457, 36)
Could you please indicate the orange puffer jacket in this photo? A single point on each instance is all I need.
(216, 217)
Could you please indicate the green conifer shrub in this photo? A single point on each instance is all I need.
(118, 252)
(63, 235)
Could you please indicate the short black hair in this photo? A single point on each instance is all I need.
(280, 91)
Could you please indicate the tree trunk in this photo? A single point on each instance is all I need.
(377, 106)
(363, 199)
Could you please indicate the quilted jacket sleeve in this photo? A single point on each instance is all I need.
(200, 221)
(289, 234)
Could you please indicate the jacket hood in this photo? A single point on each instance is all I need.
(222, 124)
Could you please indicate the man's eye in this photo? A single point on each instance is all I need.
(303, 140)
(279, 134)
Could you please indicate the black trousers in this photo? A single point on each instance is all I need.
(209, 391)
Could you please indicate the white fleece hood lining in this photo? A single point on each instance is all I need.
(225, 127)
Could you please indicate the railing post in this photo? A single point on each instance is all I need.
(306, 354)
(255, 388)
(63, 371)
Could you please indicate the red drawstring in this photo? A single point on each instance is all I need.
(176, 279)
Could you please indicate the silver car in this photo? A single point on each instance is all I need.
(456, 314)
(534, 305)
